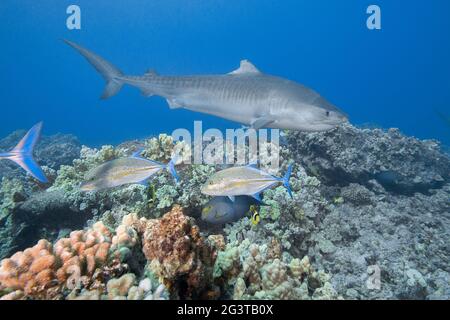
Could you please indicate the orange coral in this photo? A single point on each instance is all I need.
(34, 271)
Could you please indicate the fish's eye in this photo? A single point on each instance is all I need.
(327, 113)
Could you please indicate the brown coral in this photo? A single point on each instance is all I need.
(179, 254)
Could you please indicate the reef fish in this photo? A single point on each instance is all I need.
(221, 210)
(255, 216)
(129, 170)
(245, 95)
(22, 154)
(245, 180)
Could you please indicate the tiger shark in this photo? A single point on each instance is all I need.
(245, 95)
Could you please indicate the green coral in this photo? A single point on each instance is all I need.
(193, 178)
(166, 195)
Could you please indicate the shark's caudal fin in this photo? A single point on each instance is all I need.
(109, 72)
(22, 154)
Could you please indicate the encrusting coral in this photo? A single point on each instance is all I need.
(250, 271)
(179, 255)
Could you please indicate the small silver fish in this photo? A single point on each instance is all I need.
(247, 180)
(130, 170)
(221, 210)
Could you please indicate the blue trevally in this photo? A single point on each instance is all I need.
(221, 210)
(129, 170)
(245, 95)
(244, 180)
(22, 153)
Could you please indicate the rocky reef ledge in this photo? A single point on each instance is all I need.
(368, 205)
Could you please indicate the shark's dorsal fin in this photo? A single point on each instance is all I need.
(246, 67)
(151, 73)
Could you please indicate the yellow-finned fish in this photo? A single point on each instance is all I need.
(130, 170)
(246, 180)
(255, 215)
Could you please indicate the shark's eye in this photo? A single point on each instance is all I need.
(327, 113)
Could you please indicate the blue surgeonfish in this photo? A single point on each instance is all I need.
(130, 170)
(22, 154)
(245, 180)
(245, 95)
(221, 210)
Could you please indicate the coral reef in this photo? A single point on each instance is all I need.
(251, 271)
(45, 270)
(90, 264)
(178, 254)
(368, 205)
(51, 152)
(349, 154)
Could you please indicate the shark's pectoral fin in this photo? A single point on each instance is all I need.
(261, 122)
(173, 104)
(246, 67)
(146, 92)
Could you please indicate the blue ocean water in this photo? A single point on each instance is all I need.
(395, 77)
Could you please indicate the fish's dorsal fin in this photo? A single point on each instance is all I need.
(246, 67)
(151, 73)
(137, 153)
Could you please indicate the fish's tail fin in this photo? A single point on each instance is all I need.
(109, 72)
(286, 178)
(171, 168)
(22, 154)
